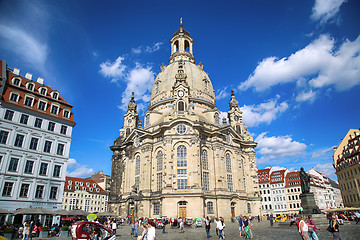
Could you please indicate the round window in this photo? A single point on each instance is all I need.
(181, 129)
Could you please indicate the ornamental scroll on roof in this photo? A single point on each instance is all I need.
(233, 102)
(132, 105)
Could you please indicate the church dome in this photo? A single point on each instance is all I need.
(182, 68)
(196, 78)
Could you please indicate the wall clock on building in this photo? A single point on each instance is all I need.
(180, 93)
(129, 121)
(236, 118)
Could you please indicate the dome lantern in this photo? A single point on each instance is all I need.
(181, 45)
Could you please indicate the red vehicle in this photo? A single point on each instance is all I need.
(91, 230)
(152, 222)
(158, 222)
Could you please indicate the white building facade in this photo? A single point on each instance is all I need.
(35, 135)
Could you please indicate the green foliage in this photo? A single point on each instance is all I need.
(65, 228)
(8, 230)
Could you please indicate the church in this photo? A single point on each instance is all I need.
(184, 160)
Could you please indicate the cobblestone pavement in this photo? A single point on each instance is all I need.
(261, 231)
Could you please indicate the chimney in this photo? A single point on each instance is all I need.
(16, 71)
(40, 80)
(28, 76)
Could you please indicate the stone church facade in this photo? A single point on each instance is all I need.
(184, 161)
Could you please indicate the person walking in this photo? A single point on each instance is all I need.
(220, 226)
(334, 228)
(271, 218)
(247, 224)
(312, 228)
(26, 232)
(113, 226)
(207, 226)
(303, 229)
(151, 234)
(181, 225)
(241, 224)
(143, 235)
(136, 227)
(216, 229)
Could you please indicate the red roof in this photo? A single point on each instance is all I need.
(292, 179)
(22, 90)
(277, 176)
(263, 175)
(88, 185)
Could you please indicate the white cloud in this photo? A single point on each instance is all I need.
(278, 147)
(266, 112)
(326, 168)
(221, 93)
(136, 50)
(321, 152)
(154, 48)
(148, 49)
(306, 96)
(319, 63)
(324, 10)
(113, 70)
(80, 170)
(25, 46)
(138, 79)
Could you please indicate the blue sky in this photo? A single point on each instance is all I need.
(294, 66)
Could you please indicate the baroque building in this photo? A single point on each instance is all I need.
(346, 163)
(185, 161)
(36, 125)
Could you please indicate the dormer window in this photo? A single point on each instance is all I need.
(30, 86)
(91, 189)
(76, 183)
(43, 91)
(55, 109)
(69, 187)
(98, 190)
(94, 185)
(88, 184)
(81, 183)
(17, 81)
(42, 105)
(69, 182)
(55, 95)
(28, 101)
(14, 97)
(66, 113)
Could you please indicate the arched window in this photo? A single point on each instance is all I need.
(127, 132)
(176, 46)
(205, 162)
(181, 106)
(187, 46)
(210, 207)
(238, 129)
(137, 166)
(159, 159)
(228, 162)
(217, 118)
(181, 156)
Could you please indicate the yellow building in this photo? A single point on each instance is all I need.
(346, 162)
(185, 160)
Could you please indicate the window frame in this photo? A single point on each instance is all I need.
(24, 116)
(18, 84)
(29, 167)
(6, 191)
(14, 94)
(26, 97)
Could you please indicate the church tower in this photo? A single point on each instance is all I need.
(184, 161)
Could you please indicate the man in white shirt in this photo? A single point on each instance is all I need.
(151, 232)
